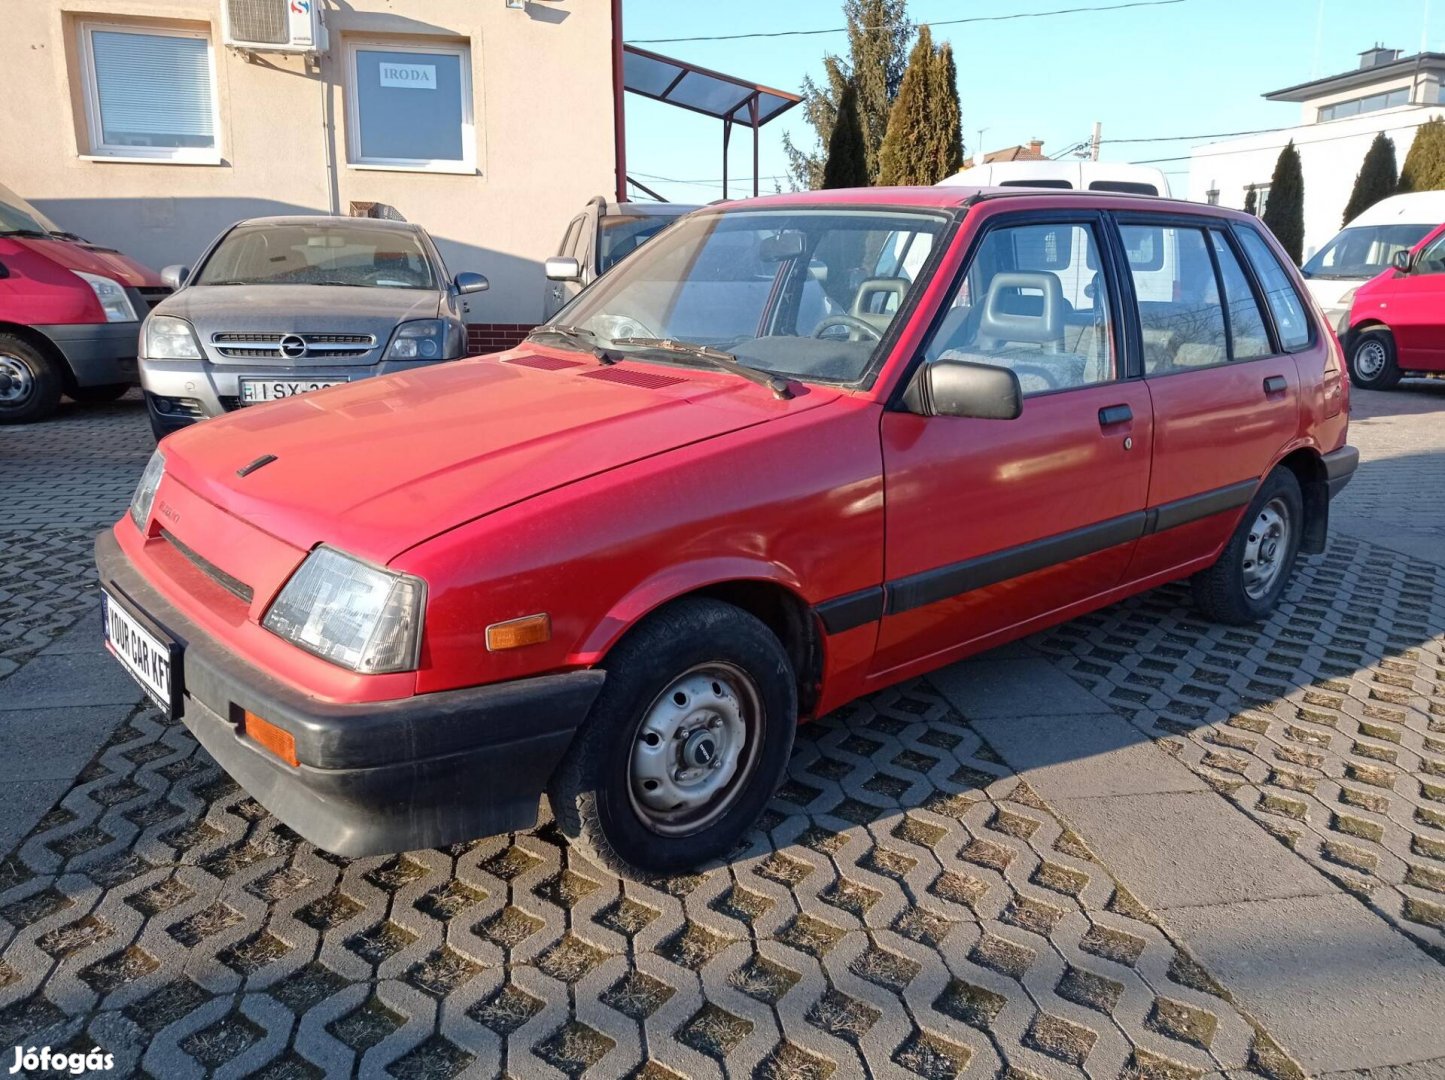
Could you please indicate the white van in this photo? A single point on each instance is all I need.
(1365, 247)
(1072, 175)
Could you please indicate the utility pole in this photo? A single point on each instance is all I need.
(1094, 141)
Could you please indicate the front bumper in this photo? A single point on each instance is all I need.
(213, 389)
(1340, 466)
(97, 353)
(375, 777)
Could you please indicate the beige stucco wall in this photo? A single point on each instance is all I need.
(542, 103)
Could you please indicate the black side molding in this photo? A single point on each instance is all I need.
(1183, 511)
(853, 610)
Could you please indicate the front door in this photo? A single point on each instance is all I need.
(1226, 393)
(1413, 307)
(991, 523)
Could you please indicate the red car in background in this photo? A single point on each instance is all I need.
(70, 315)
(789, 452)
(1397, 318)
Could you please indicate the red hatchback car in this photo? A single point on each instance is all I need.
(789, 452)
(1397, 318)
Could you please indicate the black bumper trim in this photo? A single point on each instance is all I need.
(1340, 466)
(375, 777)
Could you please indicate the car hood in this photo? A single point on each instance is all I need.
(93, 260)
(317, 308)
(378, 466)
(1328, 292)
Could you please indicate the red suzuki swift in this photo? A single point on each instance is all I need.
(791, 451)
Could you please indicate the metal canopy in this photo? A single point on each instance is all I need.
(732, 100)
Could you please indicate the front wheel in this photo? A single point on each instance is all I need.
(29, 382)
(685, 744)
(1245, 584)
(1373, 363)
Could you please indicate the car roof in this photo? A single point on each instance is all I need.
(333, 219)
(652, 209)
(955, 196)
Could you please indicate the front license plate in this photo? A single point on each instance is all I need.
(255, 391)
(151, 660)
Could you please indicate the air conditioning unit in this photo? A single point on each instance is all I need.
(281, 26)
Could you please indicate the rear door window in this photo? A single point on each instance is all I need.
(1290, 314)
(1248, 338)
(1181, 316)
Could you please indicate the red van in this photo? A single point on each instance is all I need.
(1397, 318)
(70, 315)
(788, 452)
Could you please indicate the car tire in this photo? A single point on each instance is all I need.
(29, 382)
(685, 745)
(99, 395)
(1373, 362)
(1245, 584)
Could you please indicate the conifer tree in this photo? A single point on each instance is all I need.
(1376, 180)
(1424, 168)
(1284, 210)
(847, 162)
(910, 152)
(1251, 200)
(947, 135)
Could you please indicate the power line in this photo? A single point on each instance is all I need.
(1255, 149)
(940, 22)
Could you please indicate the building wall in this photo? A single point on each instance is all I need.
(543, 115)
(1330, 157)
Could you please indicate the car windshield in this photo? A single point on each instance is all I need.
(621, 234)
(340, 254)
(806, 293)
(18, 216)
(1363, 251)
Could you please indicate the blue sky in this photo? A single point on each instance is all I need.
(1193, 67)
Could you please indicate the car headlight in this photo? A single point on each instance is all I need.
(351, 613)
(1348, 299)
(425, 339)
(112, 296)
(169, 338)
(145, 490)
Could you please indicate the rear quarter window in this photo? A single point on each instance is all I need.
(1291, 316)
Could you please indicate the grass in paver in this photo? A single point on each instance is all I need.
(1060, 879)
(741, 904)
(787, 1061)
(1123, 903)
(510, 863)
(912, 831)
(851, 897)
(565, 889)
(36, 906)
(1425, 877)
(923, 926)
(253, 953)
(931, 1057)
(509, 927)
(884, 968)
(227, 1038)
(65, 940)
(1271, 803)
(714, 1031)
(435, 1059)
(637, 995)
(975, 1006)
(1002, 956)
(1365, 800)
(1143, 1065)
(366, 1025)
(1430, 849)
(1011, 824)
(987, 854)
(442, 972)
(380, 942)
(1434, 819)
(1268, 1059)
(625, 916)
(693, 946)
(505, 1010)
(1424, 912)
(888, 863)
(1187, 971)
(570, 959)
(784, 869)
(1355, 858)
(290, 1066)
(810, 935)
(449, 900)
(1089, 990)
(1059, 1038)
(763, 979)
(25, 1019)
(959, 889)
(845, 1017)
(1033, 915)
(329, 911)
(1353, 826)
(306, 987)
(278, 884)
(1182, 1022)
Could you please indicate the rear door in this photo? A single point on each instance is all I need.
(992, 523)
(1413, 307)
(1226, 394)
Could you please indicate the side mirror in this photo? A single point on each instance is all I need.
(562, 268)
(467, 282)
(1403, 261)
(175, 275)
(958, 388)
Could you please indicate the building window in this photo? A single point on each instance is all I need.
(149, 93)
(410, 107)
(1261, 196)
(1373, 103)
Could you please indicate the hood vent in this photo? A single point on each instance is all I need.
(647, 380)
(544, 363)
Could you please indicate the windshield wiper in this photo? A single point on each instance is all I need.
(723, 361)
(578, 336)
(33, 234)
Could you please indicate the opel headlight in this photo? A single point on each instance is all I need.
(351, 613)
(112, 296)
(145, 491)
(425, 339)
(1347, 301)
(169, 338)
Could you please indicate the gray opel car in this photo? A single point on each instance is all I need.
(286, 305)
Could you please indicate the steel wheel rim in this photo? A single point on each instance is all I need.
(1370, 359)
(695, 749)
(1266, 548)
(17, 382)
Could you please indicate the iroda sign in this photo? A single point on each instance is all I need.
(409, 76)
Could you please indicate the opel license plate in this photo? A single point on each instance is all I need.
(255, 391)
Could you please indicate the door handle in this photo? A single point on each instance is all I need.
(1275, 384)
(1110, 415)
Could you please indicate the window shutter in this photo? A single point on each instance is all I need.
(154, 89)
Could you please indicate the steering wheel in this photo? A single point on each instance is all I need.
(856, 327)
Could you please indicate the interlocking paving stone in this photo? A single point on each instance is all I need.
(907, 907)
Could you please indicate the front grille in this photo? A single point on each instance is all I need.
(235, 586)
(266, 345)
(229, 402)
(153, 294)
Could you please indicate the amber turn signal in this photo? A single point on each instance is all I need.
(268, 736)
(513, 634)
